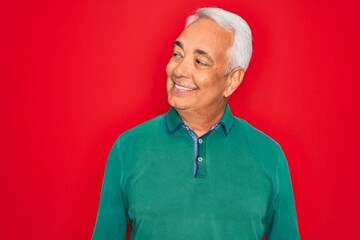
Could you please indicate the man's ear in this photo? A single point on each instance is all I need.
(233, 81)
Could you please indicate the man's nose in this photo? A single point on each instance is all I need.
(182, 68)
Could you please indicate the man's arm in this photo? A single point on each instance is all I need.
(112, 220)
(281, 223)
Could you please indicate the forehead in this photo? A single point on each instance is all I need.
(206, 35)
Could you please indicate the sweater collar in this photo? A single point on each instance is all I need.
(174, 122)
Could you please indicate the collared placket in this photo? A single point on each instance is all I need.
(200, 159)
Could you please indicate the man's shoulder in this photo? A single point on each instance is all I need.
(259, 146)
(153, 126)
(246, 131)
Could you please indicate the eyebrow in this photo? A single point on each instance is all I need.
(196, 51)
(179, 44)
(205, 54)
(201, 52)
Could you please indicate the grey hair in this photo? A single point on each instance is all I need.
(240, 53)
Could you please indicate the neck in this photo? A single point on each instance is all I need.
(202, 121)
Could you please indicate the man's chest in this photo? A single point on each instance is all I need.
(162, 183)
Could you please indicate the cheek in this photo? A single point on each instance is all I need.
(204, 80)
(212, 84)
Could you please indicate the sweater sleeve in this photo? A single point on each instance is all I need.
(112, 219)
(281, 223)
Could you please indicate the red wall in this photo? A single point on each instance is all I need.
(76, 74)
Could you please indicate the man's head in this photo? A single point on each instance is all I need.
(241, 50)
(209, 60)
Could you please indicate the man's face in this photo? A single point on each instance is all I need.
(196, 72)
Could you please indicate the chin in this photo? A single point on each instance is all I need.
(176, 104)
(180, 106)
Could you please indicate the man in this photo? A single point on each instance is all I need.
(198, 172)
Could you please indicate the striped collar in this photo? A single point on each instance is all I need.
(174, 122)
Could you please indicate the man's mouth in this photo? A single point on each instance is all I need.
(183, 88)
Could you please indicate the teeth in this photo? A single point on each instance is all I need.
(183, 88)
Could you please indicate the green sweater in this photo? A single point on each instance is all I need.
(232, 183)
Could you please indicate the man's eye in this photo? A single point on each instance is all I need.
(201, 63)
(176, 55)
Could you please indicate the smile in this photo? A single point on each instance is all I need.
(183, 88)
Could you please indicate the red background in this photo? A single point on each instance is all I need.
(76, 74)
